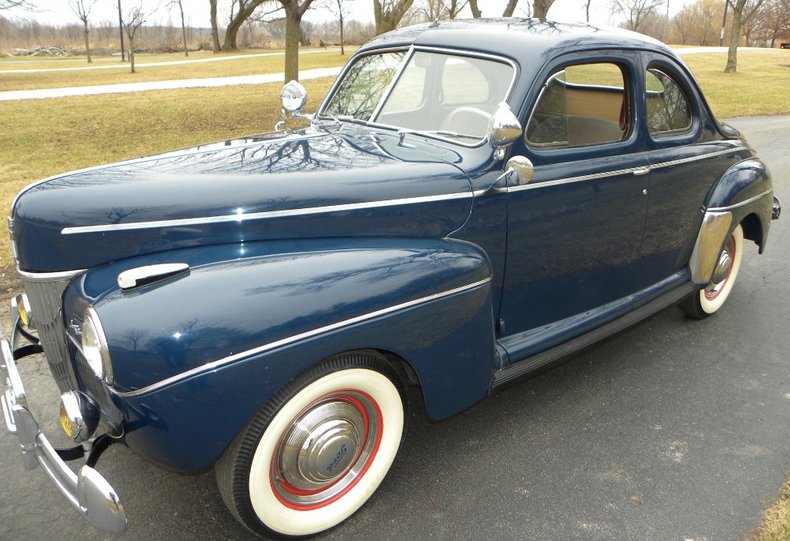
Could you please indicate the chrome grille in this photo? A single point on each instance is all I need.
(45, 292)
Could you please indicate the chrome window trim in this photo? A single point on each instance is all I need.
(633, 170)
(410, 52)
(561, 145)
(214, 365)
(223, 218)
(386, 94)
(741, 204)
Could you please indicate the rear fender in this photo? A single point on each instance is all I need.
(744, 194)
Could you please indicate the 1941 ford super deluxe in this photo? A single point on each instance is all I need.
(472, 202)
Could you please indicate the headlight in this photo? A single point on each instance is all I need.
(94, 346)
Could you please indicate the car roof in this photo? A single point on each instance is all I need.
(524, 40)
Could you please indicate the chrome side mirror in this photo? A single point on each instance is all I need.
(292, 98)
(503, 129)
(522, 167)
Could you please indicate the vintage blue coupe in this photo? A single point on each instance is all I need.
(472, 202)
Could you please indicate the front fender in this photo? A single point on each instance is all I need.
(195, 356)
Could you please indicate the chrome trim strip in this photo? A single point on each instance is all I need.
(571, 180)
(691, 159)
(631, 170)
(741, 204)
(386, 94)
(49, 276)
(208, 367)
(264, 214)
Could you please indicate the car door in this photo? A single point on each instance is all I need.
(686, 157)
(574, 231)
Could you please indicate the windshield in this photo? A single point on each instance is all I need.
(435, 93)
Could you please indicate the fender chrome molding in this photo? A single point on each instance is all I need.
(712, 232)
(241, 217)
(214, 365)
(741, 204)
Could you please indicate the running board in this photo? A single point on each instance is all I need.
(546, 358)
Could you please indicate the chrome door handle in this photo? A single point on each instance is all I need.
(639, 171)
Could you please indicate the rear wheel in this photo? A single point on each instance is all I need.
(318, 450)
(707, 301)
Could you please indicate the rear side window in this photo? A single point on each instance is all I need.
(585, 104)
(668, 107)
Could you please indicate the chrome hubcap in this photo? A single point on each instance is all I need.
(326, 450)
(722, 271)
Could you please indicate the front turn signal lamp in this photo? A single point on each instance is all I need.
(79, 415)
(21, 306)
(94, 346)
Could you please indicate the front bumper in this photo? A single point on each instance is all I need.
(87, 490)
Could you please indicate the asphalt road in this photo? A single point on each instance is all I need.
(673, 430)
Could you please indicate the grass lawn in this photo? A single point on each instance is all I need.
(760, 87)
(39, 138)
(243, 65)
(775, 525)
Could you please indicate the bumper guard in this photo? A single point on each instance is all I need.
(87, 490)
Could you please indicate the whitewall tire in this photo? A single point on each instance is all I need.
(709, 300)
(318, 450)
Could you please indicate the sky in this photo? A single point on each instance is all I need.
(197, 11)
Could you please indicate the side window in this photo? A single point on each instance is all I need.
(585, 104)
(668, 108)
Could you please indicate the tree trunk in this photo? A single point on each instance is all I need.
(541, 8)
(388, 20)
(183, 30)
(735, 33)
(231, 33)
(87, 41)
(510, 8)
(214, 28)
(292, 20)
(476, 13)
(131, 53)
(342, 40)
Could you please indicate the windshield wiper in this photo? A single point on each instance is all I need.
(404, 132)
(337, 119)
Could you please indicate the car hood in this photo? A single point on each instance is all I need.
(314, 183)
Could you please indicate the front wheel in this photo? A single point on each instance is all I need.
(318, 450)
(707, 301)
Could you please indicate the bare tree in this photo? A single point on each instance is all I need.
(120, 29)
(82, 9)
(635, 11)
(773, 21)
(388, 13)
(511, 7)
(245, 9)
(339, 8)
(749, 18)
(134, 20)
(216, 47)
(739, 12)
(541, 7)
(180, 5)
(586, 4)
(294, 10)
